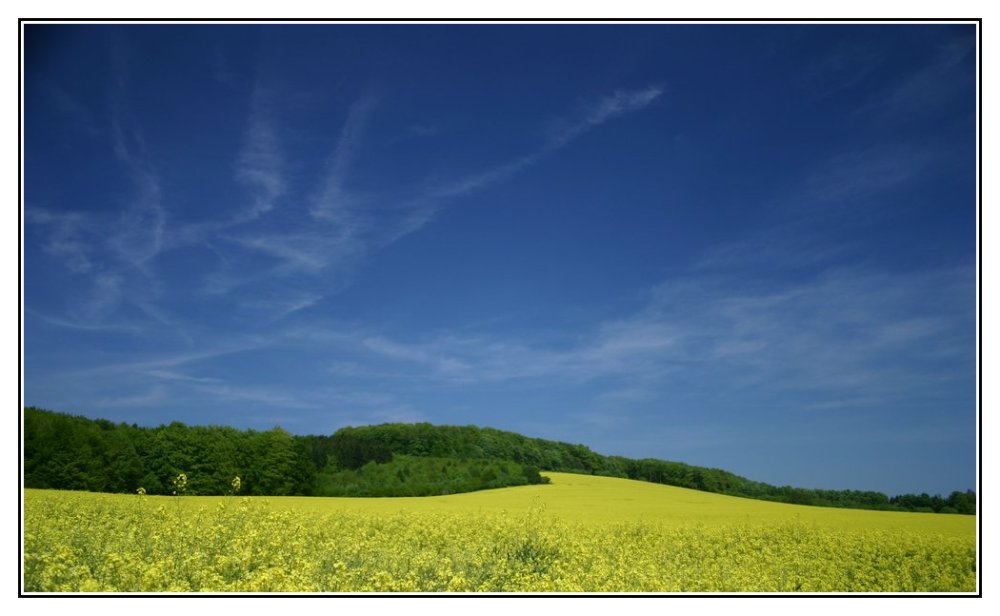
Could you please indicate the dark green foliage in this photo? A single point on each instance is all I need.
(962, 502)
(957, 502)
(470, 442)
(424, 439)
(76, 453)
(424, 476)
(350, 452)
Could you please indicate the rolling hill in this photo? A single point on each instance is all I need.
(391, 460)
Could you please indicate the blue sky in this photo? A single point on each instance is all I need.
(750, 247)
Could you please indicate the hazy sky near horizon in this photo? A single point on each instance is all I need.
(750, 246)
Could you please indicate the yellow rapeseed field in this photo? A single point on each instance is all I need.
(577, 534)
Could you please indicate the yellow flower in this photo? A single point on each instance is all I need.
(180, 483)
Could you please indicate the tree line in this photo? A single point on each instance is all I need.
(469, 442)
(76, 453)
(405, 475)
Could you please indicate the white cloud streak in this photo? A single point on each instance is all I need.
(169, 375)
(260, 162)
(334, 203)
(66, 237)
(844, 331)
(596, 114)
(337, 236)
(107, 251)
(243, 393)
(153, 396)
(139, 234)
(846, 65)
(925, 88)
(615, 105)
(863, 174)
(106, 295)
(80, 325)
(276, 309)
(144, 365)
(346, 227)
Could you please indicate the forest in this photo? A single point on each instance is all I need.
(71, 452)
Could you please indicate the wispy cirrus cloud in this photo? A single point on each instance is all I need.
(423, 130)
(106, 294)
(820, 211)
(272, 310)
(260, 168)
(925, 88)
(78, 115)
(617, 104)
(108, 255)
(262, 252)
(862, 174)
(222, 71)
(66, 237)
(138, 235)
(170, 375)
(416, 212)
(335, 237)
(297, 252)
(346, 227)
(86, 326)
(333, 202)
(848, 332)
(614, 349)
(846, 65)
(260, 164)
(164, 363)
(243, 393)
(789, 247)
(566, 130)
(154, 395)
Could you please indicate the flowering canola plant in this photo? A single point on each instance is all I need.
(497, 541)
